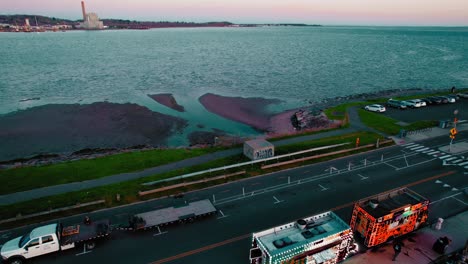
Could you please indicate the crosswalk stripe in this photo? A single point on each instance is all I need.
(457, 161)
(420, 150)
(444, 157)
(427, 151)
(463, 163)
(418, 147)
(452, 158)
(433, 152)
(409, 144)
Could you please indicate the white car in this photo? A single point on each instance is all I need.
(423, 103)
(415, 103)
(375, 108)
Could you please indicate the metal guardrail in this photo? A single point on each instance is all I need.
(243, 164)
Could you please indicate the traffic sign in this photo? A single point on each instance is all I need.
(453, 131)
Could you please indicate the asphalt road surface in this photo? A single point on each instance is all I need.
(259, 203)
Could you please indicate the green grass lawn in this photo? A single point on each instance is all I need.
(129, 190)
(339, 112)
(27, 178)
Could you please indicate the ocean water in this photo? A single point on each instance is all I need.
(295, 64)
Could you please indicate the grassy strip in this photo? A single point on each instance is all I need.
(389, 125)
(27, 178)
(129, 190)
(339, 112)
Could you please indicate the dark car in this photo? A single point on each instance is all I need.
(444, 99)
(396, 104)
(428, 101)
(435, 99)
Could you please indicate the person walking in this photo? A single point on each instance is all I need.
(397, 245)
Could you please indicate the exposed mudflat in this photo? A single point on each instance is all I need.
(168, 100)
(250, 111)
(62, 128)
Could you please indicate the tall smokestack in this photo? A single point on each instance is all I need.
(84, 11)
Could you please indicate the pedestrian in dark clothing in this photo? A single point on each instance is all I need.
(397, 245)
(453, 89)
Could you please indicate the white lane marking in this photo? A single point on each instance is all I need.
(277, 201)
(222, 215)
(438, 181)
(454, 189)
(395, 167)
(460, 200)
(416, 148)
(463, 163)
(323, 188)
(452, 158)
(421, 150)
(416, 164)
(84, 251)
(457, 161)
(363, 177)
(446, 186)
(445, 198)
(159, 232)
(409, 144)
(445, 156)
(427, 151)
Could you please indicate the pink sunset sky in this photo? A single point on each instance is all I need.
(326, 12)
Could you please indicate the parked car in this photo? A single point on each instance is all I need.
(450, 99)
(415, 103)
(423, 103)
(435, 99)
(396, 104)
(408, 104)
(428, 101)
(463, 95)
(442, 99)
(375, 108)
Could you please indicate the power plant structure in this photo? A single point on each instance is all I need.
(90, 20)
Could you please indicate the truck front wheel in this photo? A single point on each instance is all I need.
(16, 260)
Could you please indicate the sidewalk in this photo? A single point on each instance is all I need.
(417, 248)
(434, 132)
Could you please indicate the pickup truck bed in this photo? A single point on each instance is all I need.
(83, 232)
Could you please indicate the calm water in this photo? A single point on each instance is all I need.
(295, 64)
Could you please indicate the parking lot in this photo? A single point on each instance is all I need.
(431, 112)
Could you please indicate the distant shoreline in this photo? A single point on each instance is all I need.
(16, 23)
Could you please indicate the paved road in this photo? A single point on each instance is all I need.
(402, 165)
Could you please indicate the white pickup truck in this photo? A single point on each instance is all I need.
(52, 238)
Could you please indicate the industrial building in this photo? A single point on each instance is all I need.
(90, 20)
(258, 149)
